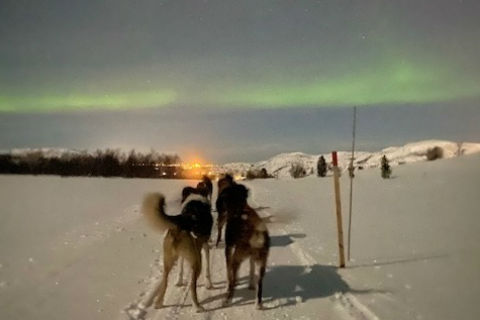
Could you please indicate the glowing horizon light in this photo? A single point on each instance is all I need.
(194, 165)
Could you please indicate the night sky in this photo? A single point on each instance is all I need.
(237, 80)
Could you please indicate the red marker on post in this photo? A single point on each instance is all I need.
(334, 158)
(338, 205)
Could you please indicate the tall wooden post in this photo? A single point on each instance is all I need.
(351, 170)
(338, 205)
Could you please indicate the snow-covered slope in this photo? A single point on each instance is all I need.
(279, 165)
(45, 152)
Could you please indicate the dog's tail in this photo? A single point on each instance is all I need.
(153, 208)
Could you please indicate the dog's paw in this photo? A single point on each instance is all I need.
(146, 304)
(226, 302)
(199, 309)
(259, 306)
(158, 305)
(180, 284)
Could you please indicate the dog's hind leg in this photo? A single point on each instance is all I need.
(193, 290)
(220, 222)
(251, 283)
(232, 270)
(228, 257)
(180, 273)
(208, 277)
(260, 283)
(195, 261)
(168, 262)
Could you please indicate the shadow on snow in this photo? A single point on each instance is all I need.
(285, 240)
(290, 285)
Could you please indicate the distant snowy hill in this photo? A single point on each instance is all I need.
(45, 152)
(279, 165)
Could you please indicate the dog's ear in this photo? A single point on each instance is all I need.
(186, 192)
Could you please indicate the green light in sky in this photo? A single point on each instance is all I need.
(393, 83)
(397, 83)
(87, 102)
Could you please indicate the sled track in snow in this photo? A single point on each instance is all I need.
(346, 301)
(348, 306)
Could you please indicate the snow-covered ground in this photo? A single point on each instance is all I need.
(78, 248)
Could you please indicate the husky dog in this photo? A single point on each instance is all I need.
(223, 183)
(207, 183)
(246, 236)
(203, 188)
(200, 190)
(187, 234)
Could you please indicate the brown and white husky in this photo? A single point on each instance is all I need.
(187, 233)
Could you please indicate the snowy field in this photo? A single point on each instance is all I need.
(78, 248)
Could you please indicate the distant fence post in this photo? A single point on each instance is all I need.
(338, 205)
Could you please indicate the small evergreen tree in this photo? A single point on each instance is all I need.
(257, 174)
(297, 171)
(386, 169)
(321, 167)
(434, 153)
(250, 175)
(263, 173)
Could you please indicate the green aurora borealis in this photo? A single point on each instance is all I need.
(396, 84)
(116, 101)
(400, 83)
(225, 54)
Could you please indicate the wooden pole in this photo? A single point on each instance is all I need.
(338, 205)
(351, 170)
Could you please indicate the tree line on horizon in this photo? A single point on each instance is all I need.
(101, 163)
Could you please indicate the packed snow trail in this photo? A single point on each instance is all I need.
(296, 286)
(414, 240)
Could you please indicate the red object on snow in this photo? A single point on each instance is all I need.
(334, 158)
